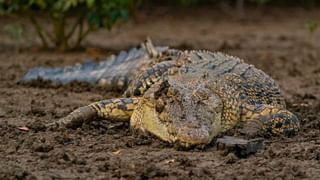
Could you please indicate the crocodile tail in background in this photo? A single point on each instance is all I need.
(115, 72)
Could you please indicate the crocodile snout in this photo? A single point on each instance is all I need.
(194, 136)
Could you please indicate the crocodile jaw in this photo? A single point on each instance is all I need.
(146, 119)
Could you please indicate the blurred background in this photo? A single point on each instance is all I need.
(70, 24)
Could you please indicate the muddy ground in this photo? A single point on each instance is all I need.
(274, 40)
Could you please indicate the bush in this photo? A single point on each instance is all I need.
(90, 15)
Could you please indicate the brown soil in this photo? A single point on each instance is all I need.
(275, 41)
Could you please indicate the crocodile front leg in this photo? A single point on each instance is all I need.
(119, 109)
(268, 120)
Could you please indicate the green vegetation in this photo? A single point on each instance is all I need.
(311, 25)
(90, 15)
(70, 21)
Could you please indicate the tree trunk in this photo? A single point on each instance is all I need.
(61, 41)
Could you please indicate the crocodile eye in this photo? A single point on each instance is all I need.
(201, 94)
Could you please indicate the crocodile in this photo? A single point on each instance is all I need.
(191, 97)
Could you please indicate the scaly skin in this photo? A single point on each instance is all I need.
(115, 72)
(190, 97)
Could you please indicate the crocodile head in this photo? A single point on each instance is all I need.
(181, 109)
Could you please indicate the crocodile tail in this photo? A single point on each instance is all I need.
(114, 72)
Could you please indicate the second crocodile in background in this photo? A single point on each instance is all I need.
(191, 97)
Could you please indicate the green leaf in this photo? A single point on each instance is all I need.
(90, 3)
(64, 5)
(40, 3)
(94, 19)
(69, 4)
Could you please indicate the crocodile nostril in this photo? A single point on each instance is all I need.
(194, 136)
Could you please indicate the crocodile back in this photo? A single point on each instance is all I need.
(234, 76)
